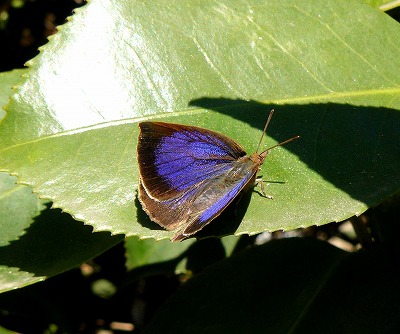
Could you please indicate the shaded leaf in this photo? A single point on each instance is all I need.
(302, 286)
(149, 251)
(18, 207)
(53, 244)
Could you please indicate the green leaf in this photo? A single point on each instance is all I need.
(383, 5)
(18, 207)
(229, 242)
(53, 244)
(329, 69)
(145, 252)
(5, 331)
(7, 81)
(31, 253)
(376, 3)
(302, 286)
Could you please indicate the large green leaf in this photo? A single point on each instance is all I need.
(330, 69)
(18, 206)
(35, 241)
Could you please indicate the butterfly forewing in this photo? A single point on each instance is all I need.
(173, 158)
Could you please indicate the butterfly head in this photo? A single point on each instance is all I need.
(259, 158)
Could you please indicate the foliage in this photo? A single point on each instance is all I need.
(69, 135)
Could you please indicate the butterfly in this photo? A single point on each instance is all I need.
(189, 175)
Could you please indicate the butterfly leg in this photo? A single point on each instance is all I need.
(261, 182)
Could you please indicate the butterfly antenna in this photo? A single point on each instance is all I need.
(282, 143)
(265, 129)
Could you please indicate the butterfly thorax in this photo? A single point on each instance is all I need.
(258, 158)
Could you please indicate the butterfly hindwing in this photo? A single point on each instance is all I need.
(219, 197)
(200, 204)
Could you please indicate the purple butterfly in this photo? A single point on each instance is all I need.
(189, 175)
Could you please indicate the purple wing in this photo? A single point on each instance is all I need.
(188, 175)
(220, 198)
(174, 158)
(198, 206)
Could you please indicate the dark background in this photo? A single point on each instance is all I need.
(25, 25)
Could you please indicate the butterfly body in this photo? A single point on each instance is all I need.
(189, 175)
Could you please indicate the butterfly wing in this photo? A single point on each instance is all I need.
(199, 205)
(188, 175)
(173, 158)
(216, 196)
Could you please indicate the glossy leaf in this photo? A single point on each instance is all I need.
(35, 241)
(329, 69)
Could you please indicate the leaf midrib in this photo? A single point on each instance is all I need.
(287, 101)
